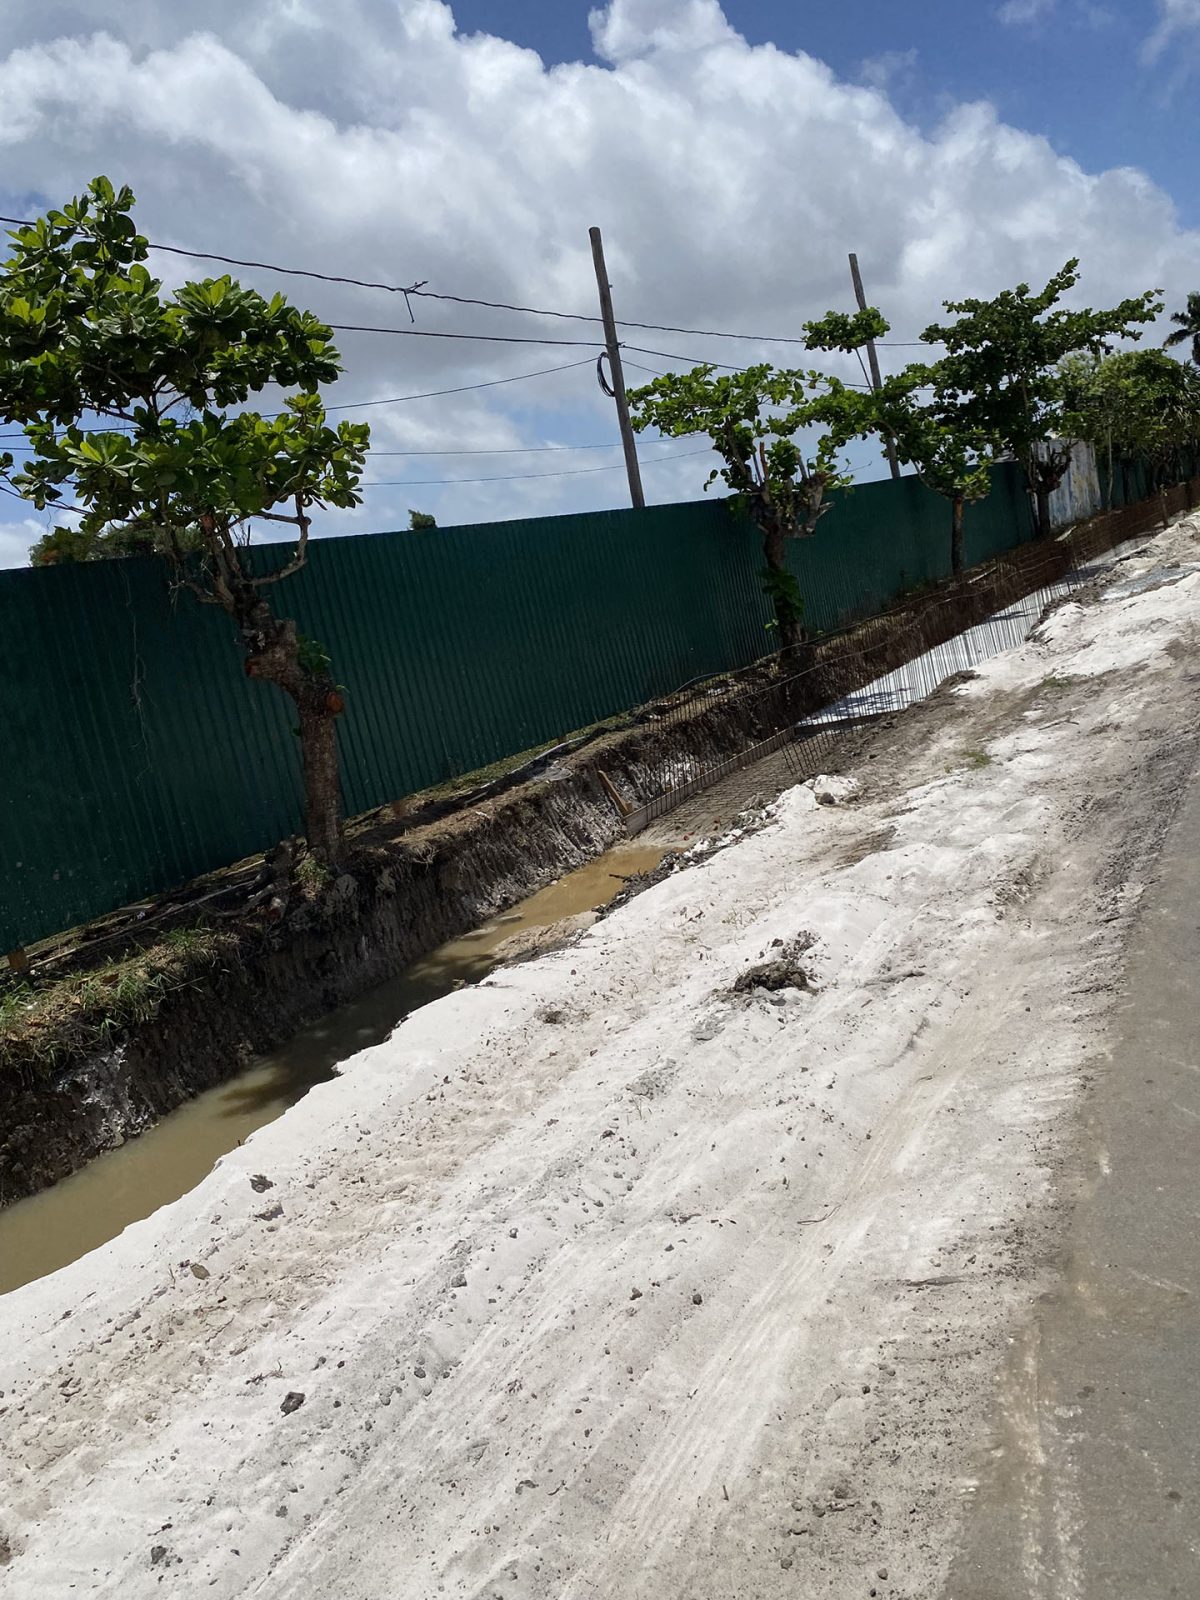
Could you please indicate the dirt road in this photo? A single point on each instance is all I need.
(618, 1275)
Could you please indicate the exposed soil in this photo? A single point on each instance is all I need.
(598, 1282)
(118, 1032)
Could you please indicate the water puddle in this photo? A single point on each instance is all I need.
(45, 1232)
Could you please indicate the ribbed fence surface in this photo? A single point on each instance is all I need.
(136, 755)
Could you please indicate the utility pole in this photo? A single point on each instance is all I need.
(618, 376)
(872, 358)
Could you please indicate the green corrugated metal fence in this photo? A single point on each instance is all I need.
(136, 755)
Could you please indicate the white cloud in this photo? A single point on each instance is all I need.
(888, 68)
(16, 536)
(372, 138)
(1021, 13)
(1178, 24)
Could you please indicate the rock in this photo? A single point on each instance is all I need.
(459, 1281)
(697, 1299)
(197, 1271)
(292, 1402)
(636, 1294)
(259, 1184)
(418, 1372)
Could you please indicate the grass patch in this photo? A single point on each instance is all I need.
(976, 759)
(44, 1024)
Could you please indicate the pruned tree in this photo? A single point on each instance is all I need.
(127, 396)
(1187, 330)
(1001, 368)
(756, 419)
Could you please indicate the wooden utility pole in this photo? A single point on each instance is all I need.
(618, 376)
(872, 357)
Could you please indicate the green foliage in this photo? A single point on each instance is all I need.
(314, 659)
(783, 591)
(421, 519)
(936, 435)
(1136, 403)
(762, 423)
(1001, 367)
(1187, 329)
(85, 331)
(64, 545)
(845, 331)
(753, 418)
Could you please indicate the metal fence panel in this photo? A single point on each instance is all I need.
(138, 756)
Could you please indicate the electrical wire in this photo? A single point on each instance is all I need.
(421, 291)
(398, 399)
(514, 477)
(479, 338)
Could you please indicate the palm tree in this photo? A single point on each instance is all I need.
(1189, 326)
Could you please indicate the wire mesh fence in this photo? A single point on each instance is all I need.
(805, 702)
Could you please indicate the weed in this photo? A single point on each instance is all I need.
(976, 759)
(14, 1004)
(1054, 682)
(312, 875)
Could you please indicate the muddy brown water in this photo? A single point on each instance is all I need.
(45, 1232)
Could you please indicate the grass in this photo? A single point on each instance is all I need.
(43, 1025)
(976, 759)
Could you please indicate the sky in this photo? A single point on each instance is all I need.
(732, 153)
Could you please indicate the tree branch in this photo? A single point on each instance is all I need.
(303, 523)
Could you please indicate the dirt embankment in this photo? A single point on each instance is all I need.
(65, 1098)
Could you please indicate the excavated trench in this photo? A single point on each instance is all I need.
(397, 900)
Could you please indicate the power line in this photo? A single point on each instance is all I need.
(510, 450)
(397, 399)
(513, 477)
(421, 291)
(479, 338)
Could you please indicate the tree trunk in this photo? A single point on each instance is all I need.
(322, 799)
(958, 505)
(272, 653)
(788, 624)
(1042, 497)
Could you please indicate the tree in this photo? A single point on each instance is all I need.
(1135, 403)
(421, 519)
(753, 417)
(125, 395)
(1188, 330)
(1001, 368)
(63, 545)
(950, 455)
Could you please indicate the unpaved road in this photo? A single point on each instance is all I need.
(603, 1280)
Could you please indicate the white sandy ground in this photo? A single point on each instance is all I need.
(599, 1283)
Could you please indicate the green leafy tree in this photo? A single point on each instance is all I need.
(63, 545)
(1001, 368)
(938, 439)
(1187, 330)
(761, 423)
(421, 519)
(125, 395)
(1135, 403)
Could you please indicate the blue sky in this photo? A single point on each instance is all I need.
(734, 151)
(1069, 69)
